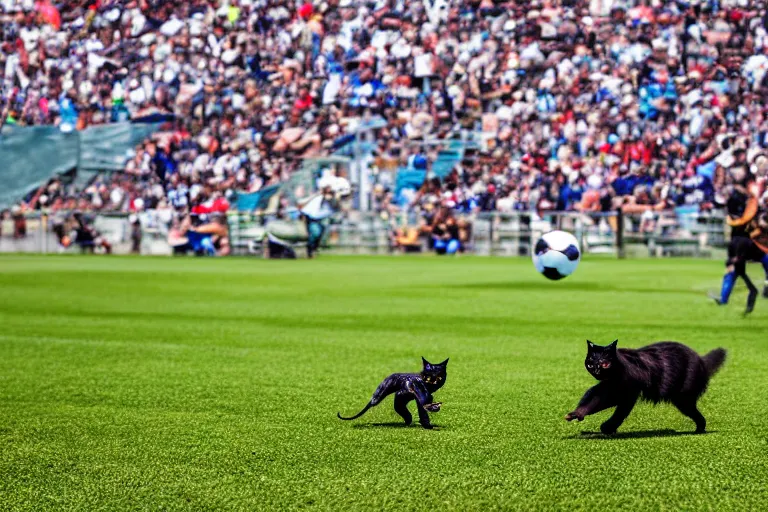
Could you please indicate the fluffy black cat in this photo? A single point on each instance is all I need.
(661, 372)
(411, 386)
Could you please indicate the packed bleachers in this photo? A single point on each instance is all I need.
(645, 105)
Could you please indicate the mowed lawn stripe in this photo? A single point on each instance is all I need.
(194, 384)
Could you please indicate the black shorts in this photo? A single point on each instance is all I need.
(742, 249)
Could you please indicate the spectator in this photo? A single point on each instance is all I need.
(136, 234)
(19, 223)
(87, 237)
(577, 108)
(445, 231)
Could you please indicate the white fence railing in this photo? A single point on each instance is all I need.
(514, 234)
(492, 234)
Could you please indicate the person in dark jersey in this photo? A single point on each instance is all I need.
(748, 228)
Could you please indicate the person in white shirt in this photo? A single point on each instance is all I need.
(321, 206)
(318, 208)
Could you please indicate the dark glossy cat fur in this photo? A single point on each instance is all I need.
(661, 372)
(410, 386)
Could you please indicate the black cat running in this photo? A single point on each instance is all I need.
(410, 386)
(661, 372)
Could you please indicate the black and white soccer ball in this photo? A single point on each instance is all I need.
(556, 255)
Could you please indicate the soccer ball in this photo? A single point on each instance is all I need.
(556, 255)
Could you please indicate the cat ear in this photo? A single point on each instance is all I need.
(612, 346)
(424, 361)
(444, 363)
(590, 345)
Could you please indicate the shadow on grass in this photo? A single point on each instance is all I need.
(640, 434)
(575, 286)
(532, 285)
(398, 424)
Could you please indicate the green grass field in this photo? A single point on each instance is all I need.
(130, 383)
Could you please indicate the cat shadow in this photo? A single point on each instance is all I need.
(638, 434)
(400, 424)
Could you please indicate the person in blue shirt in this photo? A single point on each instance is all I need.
(625, 184)
(68, 111)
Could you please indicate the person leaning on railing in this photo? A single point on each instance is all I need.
(648, 202)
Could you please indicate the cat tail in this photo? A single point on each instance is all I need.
(714, 360)
(365, 409)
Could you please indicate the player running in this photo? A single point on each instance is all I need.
(749, 238)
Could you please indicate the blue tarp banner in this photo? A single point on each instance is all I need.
(256, 200)
(31, 155)
(105, 147)
(409, 179)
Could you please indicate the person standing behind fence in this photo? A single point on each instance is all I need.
(315, 211)
(135, 234)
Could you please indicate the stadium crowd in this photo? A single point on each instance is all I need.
(587, 105)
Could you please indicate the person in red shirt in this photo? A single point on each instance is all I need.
(638, 150)
(304, 101)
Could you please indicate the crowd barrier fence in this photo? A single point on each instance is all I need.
(672, 233)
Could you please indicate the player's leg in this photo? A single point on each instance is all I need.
(741, 271)
(315, 231)
(735, 255)
(729, 280)
(757, 255)
(750, 252)
(764, 263)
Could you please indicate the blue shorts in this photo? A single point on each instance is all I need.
(447, 246)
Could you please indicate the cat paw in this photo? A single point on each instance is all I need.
(433, 407)
(428, 426)
(574, 416)
(607, 430)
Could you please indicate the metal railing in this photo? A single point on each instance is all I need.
(669, 233)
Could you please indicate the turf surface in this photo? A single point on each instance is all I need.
(129, 383)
